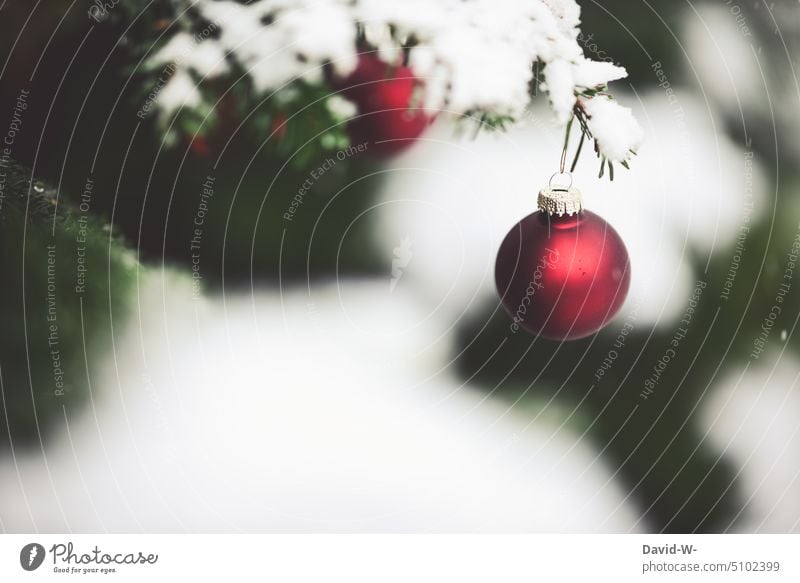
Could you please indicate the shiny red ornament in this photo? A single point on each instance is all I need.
(562, 272)
(388, 120)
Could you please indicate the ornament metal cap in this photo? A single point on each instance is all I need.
(560, 200)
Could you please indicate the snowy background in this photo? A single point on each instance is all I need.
(334, 394)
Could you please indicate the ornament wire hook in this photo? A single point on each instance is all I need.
(562, 187)
(564, 156)
(563, 162)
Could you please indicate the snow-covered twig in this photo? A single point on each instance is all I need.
(475, 58)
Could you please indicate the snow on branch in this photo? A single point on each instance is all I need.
(473, 57)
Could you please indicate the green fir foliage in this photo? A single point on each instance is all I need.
(68, 279)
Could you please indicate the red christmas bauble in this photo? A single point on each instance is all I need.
(198, 146)
(562, 276)
(211, 142)
(388, 119)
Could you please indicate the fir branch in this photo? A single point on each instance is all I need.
(580, 114)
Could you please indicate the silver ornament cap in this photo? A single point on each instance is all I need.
(560, 200)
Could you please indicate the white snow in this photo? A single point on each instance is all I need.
(589, 74)
(744, 60)
(751, 419)
(325, 410)
(470, 56)
(180, 91)
(613, 127)
(184, 51)
(560, 86)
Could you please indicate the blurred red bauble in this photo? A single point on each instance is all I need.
(212, 140)
(279, 125)
(562, 272)
(199, 147)
(388, 120)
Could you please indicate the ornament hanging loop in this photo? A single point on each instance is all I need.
(560, 186)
